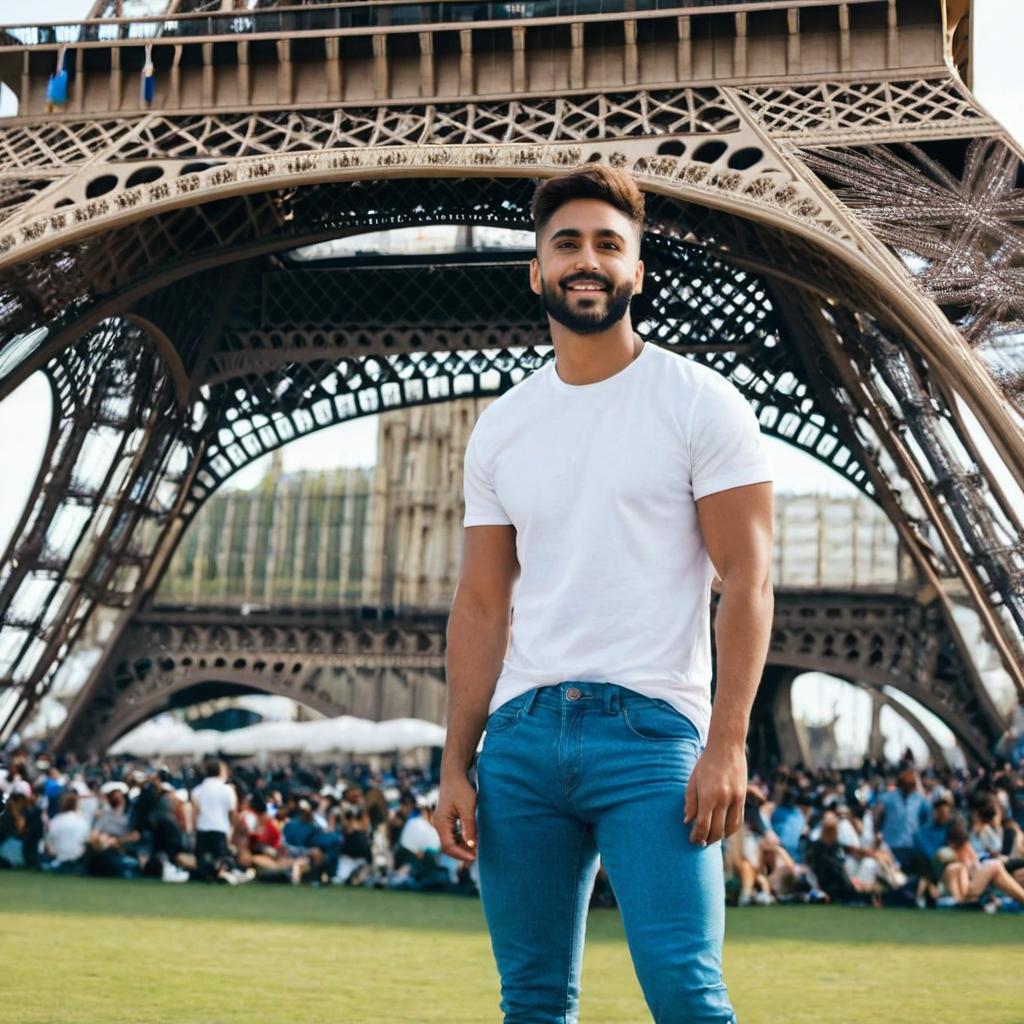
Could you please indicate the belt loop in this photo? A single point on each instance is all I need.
(611, 699)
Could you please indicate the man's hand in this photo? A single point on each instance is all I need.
(457, 802)
(716, 792)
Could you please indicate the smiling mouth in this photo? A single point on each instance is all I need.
(591, 288)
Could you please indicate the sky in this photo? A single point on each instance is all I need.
(998, 29)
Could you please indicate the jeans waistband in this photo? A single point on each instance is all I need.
(583, 694)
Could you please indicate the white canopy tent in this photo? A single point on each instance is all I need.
(346, 734)
(265, 737)
(152, 738)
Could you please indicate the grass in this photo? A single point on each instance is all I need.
(92, 951)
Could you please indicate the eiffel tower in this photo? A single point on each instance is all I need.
(833, 223)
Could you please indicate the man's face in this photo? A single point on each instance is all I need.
(588, 266)
(942, 814)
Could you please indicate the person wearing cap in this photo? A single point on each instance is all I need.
(304, 837)
(112, 838)
(604, 496)
(20, 828)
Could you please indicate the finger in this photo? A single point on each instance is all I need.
(734, 817)
(459, 847)
(702, 824)
(444, 824)
(691, 801)
(717, 823)
(467, 817)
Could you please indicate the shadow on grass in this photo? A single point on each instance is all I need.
(334, 907)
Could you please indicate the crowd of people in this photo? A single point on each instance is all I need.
(115, 818)
(882, 835)
(879, 835)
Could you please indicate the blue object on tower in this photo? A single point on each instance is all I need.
(148, 85)
(57, 88)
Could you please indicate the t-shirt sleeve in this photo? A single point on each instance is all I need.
(482, 505)
(726, 446)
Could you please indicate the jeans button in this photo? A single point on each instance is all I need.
(572, 693)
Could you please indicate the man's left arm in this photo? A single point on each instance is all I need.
(737, 526)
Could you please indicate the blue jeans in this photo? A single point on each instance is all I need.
(570, 771)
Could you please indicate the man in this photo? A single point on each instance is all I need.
(898, 814)
(216, 807)
(112, 838)
(603, 494)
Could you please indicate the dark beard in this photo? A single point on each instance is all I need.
(556, 305)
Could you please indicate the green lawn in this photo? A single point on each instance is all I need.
(91, 951)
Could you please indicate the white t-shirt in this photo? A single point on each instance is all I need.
(418, 835)
(215, 799)
(601, 482)
(67, 834)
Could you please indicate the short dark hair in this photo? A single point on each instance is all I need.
(957, 834)
(590, 181)
(211, 767)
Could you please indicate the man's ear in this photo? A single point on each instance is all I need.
(535, 276)
(638, 280)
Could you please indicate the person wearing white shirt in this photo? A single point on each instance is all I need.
(604, 495)
(66, 836)
(216, 805)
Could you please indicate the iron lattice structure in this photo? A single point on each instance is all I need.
(833, 222)
(354, 661)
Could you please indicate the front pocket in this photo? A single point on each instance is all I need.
(501, 720)
(658, 722)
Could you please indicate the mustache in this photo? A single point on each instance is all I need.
(582, 279)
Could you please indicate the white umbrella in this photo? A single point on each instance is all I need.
(330, 734)
(152, 737)
(201, 743)
(264, 737)
(401, 734)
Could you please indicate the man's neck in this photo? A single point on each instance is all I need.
(589, 358)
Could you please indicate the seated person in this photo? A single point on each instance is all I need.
(112, 841)
(170, 846)
(416, 859)
(21, 828)
(965, 876)
(827, 859)
(66, 837)
(355, 862)
(304, 837)
(260, 843)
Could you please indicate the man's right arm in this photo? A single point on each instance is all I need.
(477, 639)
